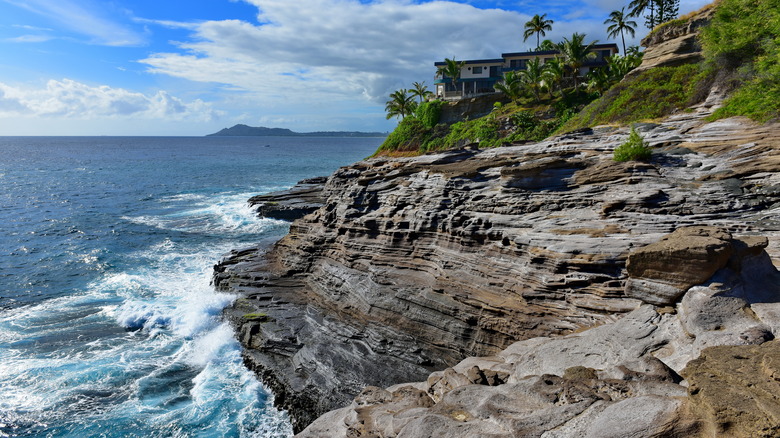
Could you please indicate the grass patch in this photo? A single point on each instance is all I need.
(406, 137)
(259, 317)
(634, 149)
(744, 36)
(649, 95)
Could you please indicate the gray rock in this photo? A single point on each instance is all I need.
(412, 264)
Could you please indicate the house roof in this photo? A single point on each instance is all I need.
(611, 46)
(553, 52)
(475, 61)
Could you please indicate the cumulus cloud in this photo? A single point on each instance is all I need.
(71, 99)
(321, 50)
(325, 48)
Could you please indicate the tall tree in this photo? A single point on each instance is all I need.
(537, 25)
(553, 75)
(400, 104)
(660, 11)
(638, 7)
(575, 53)
(533, 75)
(667, 10)
(420, 91)
(619, 24)
(451, 69)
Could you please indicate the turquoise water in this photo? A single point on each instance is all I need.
(108, 324)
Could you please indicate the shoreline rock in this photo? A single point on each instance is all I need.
(539, 289)
(642, 375)
(303, 198)
(412, 264)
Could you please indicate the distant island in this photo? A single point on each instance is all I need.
(251, 131)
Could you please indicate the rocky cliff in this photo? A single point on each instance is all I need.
(580, 289)
(413, 264)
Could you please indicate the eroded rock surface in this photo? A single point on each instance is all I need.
(412, 264)
(302, 199)
(736, 389)
(675, 43)
(702, 368)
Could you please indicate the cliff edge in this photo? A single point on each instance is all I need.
(540, 289)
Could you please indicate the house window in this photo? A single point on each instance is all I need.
(518, 64)
(476, 70)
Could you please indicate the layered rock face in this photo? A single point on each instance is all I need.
(412, 264)
(304, 198)
(634, 377)
(580, 289)
(675, 43)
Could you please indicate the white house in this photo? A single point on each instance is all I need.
(479, 76)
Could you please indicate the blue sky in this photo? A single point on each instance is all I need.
(171, 67)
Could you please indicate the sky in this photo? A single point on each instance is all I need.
(174, 67)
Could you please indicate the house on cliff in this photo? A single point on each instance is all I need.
(479, 76)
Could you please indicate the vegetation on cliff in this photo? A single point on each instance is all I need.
(521, 120)
(741, 52)
(744, 38)
(649, 95)
(634, 149)
(741, 55)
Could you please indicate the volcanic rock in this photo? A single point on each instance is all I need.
(303, 198)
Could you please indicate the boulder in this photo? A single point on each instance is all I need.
(661, 272)
(735, 390)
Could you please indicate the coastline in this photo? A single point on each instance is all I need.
(412, 264)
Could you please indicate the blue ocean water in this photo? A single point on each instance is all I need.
(108, 324)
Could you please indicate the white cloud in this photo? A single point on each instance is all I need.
(85, 17)
(29, 39)
(319, 51)
(326, 49)
(68, 99)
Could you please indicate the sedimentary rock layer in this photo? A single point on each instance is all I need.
(616, 380)
(412, 264)
(304, 198)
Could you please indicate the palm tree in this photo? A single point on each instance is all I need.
(553, 74)
(537, 25)
(547, 46)
(400, 104)
(511, 85)
(451, 69)
(533, 75)
(639, 6)
(619, 66)
(575, 54)
(634, 52)
(420, 90)
(600, 79)
(618, 24)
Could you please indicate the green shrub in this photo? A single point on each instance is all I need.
(483, 130)
(634, 149)
(407, 136)
(429, 112)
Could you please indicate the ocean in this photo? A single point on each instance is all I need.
(108, 324)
